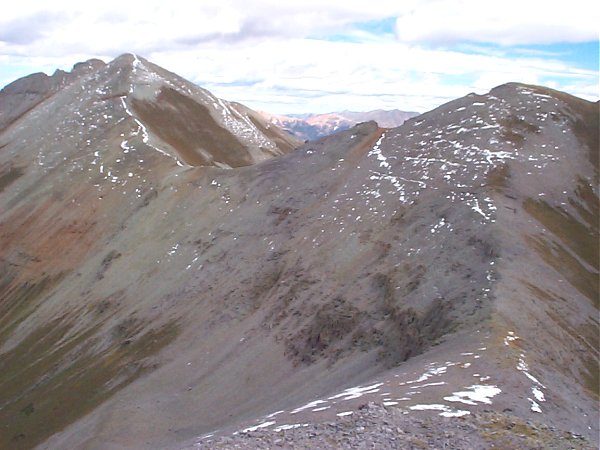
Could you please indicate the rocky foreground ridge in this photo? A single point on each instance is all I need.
(172, 273)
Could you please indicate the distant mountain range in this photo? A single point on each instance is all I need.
(315, 126)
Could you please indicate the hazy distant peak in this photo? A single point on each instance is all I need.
(315, 126)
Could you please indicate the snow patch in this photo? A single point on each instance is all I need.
(308, 406)
(511, 337)
(289, 427)
(258, 427)
(434, 371)
(357, 392)
(446, 411)
(478, 393)
(537, 387)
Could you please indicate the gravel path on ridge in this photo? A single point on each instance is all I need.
(378, 427)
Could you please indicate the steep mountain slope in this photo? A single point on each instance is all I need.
(315, 126)
(450, 263)
(24, 94)
(166, 112)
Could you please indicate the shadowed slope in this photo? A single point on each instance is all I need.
(189, 128)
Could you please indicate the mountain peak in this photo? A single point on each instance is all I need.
(25, 93)
(139, 69)
(128, 59)
(163, 112)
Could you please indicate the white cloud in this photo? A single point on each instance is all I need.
(323, 76)
(261, 52)
(150, 25)
(37, 28)
(510, 22)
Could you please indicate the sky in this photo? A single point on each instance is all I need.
(319, 56)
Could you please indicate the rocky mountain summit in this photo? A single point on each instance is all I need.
(174, 276)
(167, 113)
(24, 94)
(315, 126)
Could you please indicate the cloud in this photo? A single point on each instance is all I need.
(511, 22)
(62, 27)
(326, 75)
(29, 28)
(290, 56)
(145, 26)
